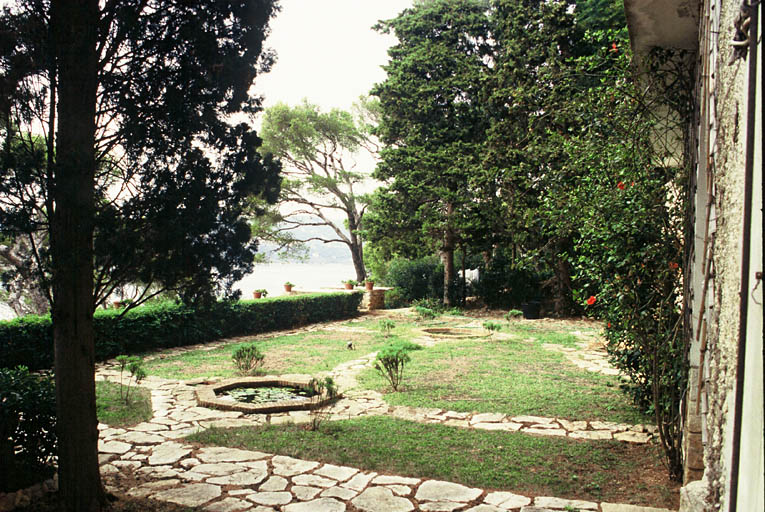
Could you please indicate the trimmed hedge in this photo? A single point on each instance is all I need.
(28, 341)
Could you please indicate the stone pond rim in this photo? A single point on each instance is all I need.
(207, 395)
(455, 332)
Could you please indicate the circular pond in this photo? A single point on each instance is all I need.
(261, 395)
(454, 332)
(266, 394)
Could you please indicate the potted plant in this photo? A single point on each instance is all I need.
(262, 292)
(350, 283)
(369, 284)
(288, 286)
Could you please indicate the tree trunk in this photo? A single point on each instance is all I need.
(447, 255)
(74, 26)
(357, 250)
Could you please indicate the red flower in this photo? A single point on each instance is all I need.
(591, 300)
(609, 325)
(673, 265)
(614, 48)
(621, 185)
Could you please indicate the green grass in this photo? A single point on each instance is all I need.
(512, 376)
(112, 409)
(534, 466)
(510, 373)
(309, 353)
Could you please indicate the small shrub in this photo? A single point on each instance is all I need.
(513, 314)
(248, 359)
(351, 282)
(424, 313)
(134, 365)
(28, 443)
(395, 299)
(328, 388)
(416, 279)
(386, 326)
(391, 360)
(492, 327)
(429, 303)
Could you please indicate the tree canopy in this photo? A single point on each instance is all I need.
(432, 123)
(322, 185)
(134, 100)
(168, 80)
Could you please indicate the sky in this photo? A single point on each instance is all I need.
(327, 51)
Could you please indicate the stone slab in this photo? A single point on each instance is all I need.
(228, 505)
(388, 480)
(222, 454)
(436, 490)
(591, 434)
(275, 483)
(218, 469)
(339, 473)
(313, 481)
(377, 499)
(271, 499)
(617, 507)
(117, 447)
(506, 500)
(487, 417)
(440, 506)
(287, 466)
(560, 503)
(245, 478)
(339, 492)
(192, 495)
(532, 419)
(305, 492)
(168, 453)
(360, 481)
(319, 505)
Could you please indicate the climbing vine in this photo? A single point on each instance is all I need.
(631, 206)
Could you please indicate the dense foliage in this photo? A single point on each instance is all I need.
(548, 149)
(431, 123)
(27, 428)
(29, 340)
(173, 172)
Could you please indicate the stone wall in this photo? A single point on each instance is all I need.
(722, 140)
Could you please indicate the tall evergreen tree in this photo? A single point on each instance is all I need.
(432, 125)
(139, 94)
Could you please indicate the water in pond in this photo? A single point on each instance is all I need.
(262, 395)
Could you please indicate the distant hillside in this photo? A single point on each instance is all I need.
(319, 252)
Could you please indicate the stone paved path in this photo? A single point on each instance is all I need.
(230, 480)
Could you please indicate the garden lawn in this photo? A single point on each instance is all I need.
(510, 373)
(113, 410)
(532, 466)
(307, 353)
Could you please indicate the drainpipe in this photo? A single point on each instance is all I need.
(745, 256)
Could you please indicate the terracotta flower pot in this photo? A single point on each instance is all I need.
(287, 287)
(257, 295)
(369, 285)
(348, 286)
